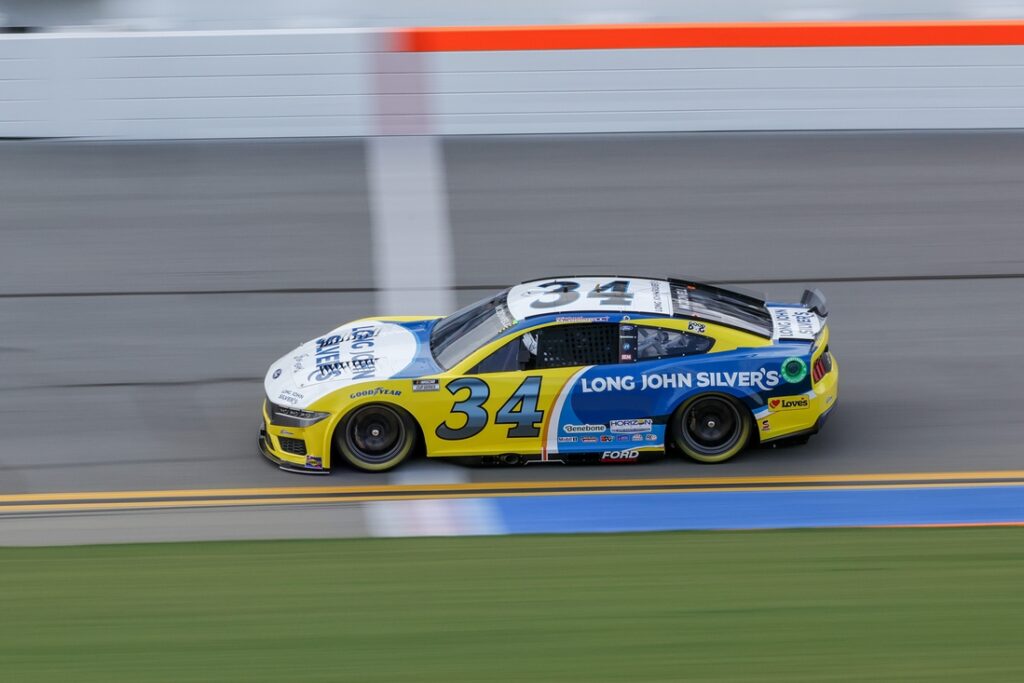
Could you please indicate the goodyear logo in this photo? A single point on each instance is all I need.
(789, 403)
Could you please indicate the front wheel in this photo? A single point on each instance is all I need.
(710, 428)
(376, 437)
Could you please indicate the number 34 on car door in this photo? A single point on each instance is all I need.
(495, 413)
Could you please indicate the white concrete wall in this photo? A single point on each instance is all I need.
(186, 85)
(337, 83)
(727, 89)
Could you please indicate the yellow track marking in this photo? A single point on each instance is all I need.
(993, 476)
(237, 502)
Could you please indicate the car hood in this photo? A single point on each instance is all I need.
(356, 353)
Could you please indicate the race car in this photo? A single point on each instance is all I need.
(604, 369)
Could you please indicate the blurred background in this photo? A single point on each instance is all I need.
(190, 189)
(175, 15)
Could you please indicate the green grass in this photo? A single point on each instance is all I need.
(923, 604)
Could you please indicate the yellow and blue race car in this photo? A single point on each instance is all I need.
(570, 369)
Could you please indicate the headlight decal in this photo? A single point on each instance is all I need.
(283, 416)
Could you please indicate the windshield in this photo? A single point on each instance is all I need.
(465, 331)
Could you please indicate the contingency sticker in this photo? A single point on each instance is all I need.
(426, 385)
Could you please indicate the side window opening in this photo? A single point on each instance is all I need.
(655, 342)
(558, 346)
(512, 356)
(571, 345)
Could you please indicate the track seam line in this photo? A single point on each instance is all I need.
(478, 287)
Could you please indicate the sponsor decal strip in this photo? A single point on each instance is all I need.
(762, 379)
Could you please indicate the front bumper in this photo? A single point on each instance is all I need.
(309, 464)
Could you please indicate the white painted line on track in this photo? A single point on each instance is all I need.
(458, 517)
(412, 244)
(186, 525)
(423, 472)
(430, 517)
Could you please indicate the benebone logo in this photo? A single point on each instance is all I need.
(584, 429)
(789, 403)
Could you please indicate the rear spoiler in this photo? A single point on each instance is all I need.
(737, 294)
(735, 308)
(799, 322)
(814, 300)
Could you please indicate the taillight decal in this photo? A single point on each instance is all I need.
(822, 366)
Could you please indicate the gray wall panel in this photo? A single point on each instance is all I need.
(727, 89)
(187, 85)
(807, 58)
(747, 77)
(325, 83)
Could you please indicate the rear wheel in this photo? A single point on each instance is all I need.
(711, 428)
(376, 437)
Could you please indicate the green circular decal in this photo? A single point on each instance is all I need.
(794, 369)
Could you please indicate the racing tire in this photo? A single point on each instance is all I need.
(710, 428)
(376, 437)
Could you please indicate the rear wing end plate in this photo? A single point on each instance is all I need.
(814, 300)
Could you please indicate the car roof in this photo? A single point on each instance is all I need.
(590, 294)
(667, 297)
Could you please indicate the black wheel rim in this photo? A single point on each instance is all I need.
(712, 425)
(375, 434)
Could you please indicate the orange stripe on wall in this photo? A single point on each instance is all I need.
(633, 36)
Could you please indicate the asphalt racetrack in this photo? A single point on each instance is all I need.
(146, 287)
